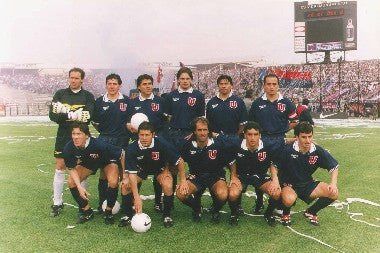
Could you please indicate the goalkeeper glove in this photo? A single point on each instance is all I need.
(80, 115)
(58, 107)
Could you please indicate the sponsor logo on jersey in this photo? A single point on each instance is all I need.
(94, 156)
(140, 157)
(294, 156)
(313, 159)
(191, 101)
(155, 107)
(240, 155)
(233, 104)
(175, 99)
(155, 156)
(105, 108)
(123, 107)
(212, 154)
(281, 107)
(192, 152)
(213, 106)
(137, 108)
(261, 156)
(262, 106)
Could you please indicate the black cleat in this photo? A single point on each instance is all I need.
(56, 210)
(109, 219)
(215, 218)
(271, 221)
(168, 222)
(234, 220)
(196, 216)
(125, 221)
(158, 207)
(85, 216)
(259, 208)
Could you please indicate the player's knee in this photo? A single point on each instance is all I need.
(113, 183)
(70, 182)
(181, 196)
(288, 200)
(276, 195)
(221, 193)
(233, 194)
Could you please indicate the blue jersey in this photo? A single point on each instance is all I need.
(297, 168)
(110, 117)
(210, 159)
(184, 107)
(150, 159)
(226, 115)
(273, 117)
(96, 154)
(152, 107)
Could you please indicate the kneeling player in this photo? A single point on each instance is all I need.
(296, 165)
(150, 155)
(206, 158)
(83, 156)
(252, 160)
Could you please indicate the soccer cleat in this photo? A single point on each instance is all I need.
(240, 210)
(158, 207)
(85, 216)
(109, 219)
(234, 220)
(215, 218)
(197, 215)
(56, 210)
(285, 220)
(313, 219)
(259, 208)
(271, 221)
(168, 222)
(99, 210)
(125, 221)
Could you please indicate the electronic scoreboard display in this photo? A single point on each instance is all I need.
(329, 26)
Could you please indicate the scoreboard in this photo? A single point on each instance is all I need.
(328, 26)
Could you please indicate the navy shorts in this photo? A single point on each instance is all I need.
(206, 180)
(143, 174)
(94, 166)
(304, 190)
(62, 138)
(255, 180)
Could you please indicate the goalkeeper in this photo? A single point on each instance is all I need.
(69, 105)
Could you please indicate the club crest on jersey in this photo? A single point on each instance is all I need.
(191, 101)
(233, 104)
(281, 107)
(313, 159)
(123, 107)
(94, 156)
(212, 154)
(155, 156)
(261, 156)
(155, 107)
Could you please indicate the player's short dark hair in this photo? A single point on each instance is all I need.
(114, 76)
(81, 71)
(224, 77)
(303, 127)
(272, 75)
(249, 93)
(185, 70)
(146, 126)
(82, 127)
(305, 101)
(252, 125)
(143, 77)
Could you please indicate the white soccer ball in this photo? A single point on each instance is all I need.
(115, 209)
(137, 119)
(141, 222)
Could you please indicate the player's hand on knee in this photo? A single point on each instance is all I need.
(83, 193)
(333, 189)
(58, 107)
(183, 187)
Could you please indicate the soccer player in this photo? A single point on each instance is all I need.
(153, 107)
(206, 158)
(84, 155)
(303, 112)
(252, 160)
(110, 117)
(68, 105)
(150, 155)
(296, 165)
(226, 112)
(272, 112)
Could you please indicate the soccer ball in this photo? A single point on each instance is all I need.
(115, 209)
(141, 223)
(137, 119)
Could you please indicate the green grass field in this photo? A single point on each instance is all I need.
(26, 174)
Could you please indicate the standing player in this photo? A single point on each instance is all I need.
(150, 155)
(83, 156)
(272, 112)
(206, 158)
(296, 165)
(110, 116)
(303, 112)
(68, 105)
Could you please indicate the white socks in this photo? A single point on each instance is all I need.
(59, 181)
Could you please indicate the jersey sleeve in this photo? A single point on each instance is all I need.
(243, 114)
(168, 104)
(252, 112)
(327, 161)
(130, 160)
(292, 113)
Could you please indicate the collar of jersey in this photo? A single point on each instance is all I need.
(106, 99)
(75, 91)
(142, 147)
(297, 148)
(264, 97)
(217, 94)
(209, 143)
(188, 91)
(141, 98)
(244, 145)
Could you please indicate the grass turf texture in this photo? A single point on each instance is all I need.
(25, 199)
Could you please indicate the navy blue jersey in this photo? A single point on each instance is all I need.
(96, 154)
(210, 159)
(110, 117)
(184, 107)
(296, 168)
(151, 159)
(152, 107)
(273, 117)
(226, 115)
